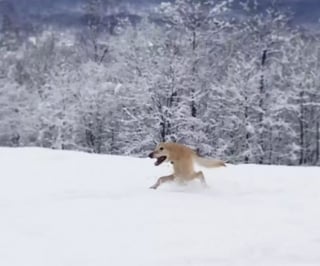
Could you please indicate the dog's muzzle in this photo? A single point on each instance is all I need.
(150, 155)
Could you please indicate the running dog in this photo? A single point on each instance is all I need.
(182, 158)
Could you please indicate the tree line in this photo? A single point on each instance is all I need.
(242, 86)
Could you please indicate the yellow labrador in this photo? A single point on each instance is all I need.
(182, 159)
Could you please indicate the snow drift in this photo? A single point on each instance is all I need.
(74, 209)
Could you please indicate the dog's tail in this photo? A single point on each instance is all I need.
(206, 162)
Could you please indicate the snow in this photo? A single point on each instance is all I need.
(62, 208)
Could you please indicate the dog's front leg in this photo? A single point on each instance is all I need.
(161, 180)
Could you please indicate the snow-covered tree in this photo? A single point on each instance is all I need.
(245, 89)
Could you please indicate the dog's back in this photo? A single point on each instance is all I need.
(182, 152)
(178, 151)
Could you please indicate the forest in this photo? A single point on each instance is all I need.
(240, 86)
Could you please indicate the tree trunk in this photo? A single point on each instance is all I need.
(193, 103)
(317, 142)
(247, 135)
(261, 103)
(270, 146)
(301, 127)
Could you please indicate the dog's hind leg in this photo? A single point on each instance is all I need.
(161, 180)
(200, 176)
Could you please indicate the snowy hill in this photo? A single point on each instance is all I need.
(74, 209)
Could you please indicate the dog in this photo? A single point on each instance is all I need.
(182, 159)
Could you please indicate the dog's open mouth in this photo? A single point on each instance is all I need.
(160, 160)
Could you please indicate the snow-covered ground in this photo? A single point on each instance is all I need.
(73, 209)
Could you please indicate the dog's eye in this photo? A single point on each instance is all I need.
(161, 148)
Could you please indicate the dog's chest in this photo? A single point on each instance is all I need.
(182, 168)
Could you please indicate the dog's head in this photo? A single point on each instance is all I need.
(161, 153)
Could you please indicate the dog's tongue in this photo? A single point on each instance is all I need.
(160, 160)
